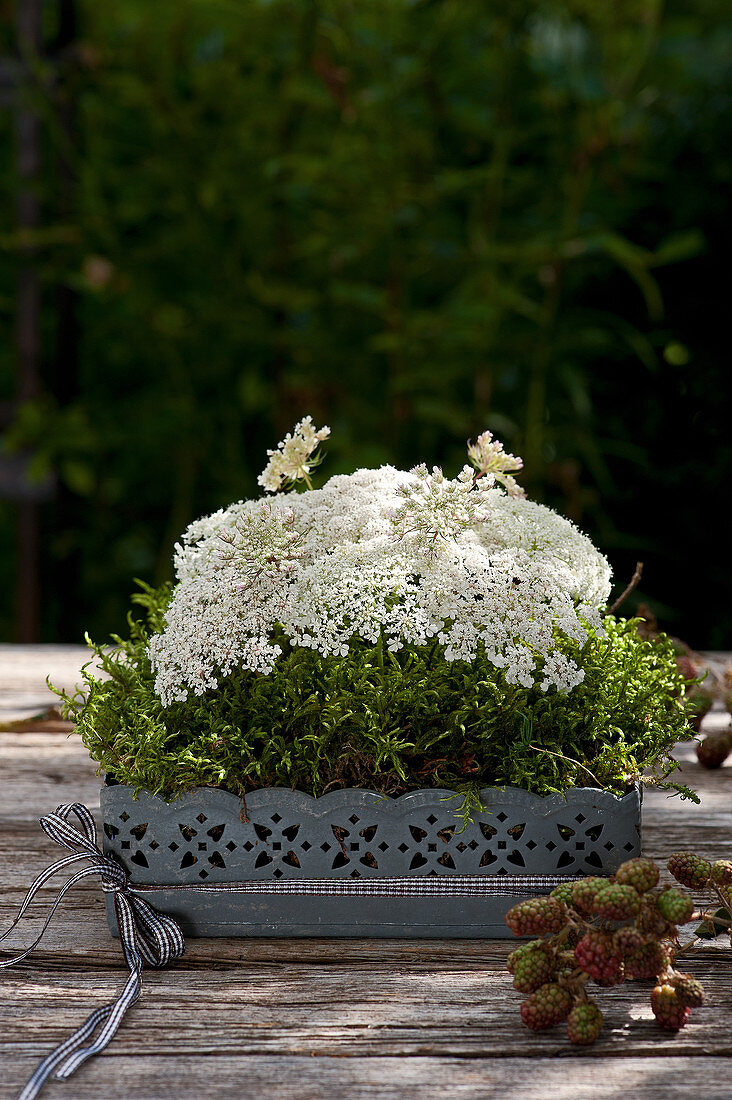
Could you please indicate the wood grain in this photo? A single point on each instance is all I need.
(307, 1019)
(314, 1076)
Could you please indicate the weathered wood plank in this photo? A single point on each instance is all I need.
(312, 1076)
(355, 1010)
(23, 672)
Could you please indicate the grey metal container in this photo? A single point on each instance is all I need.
(357, 863)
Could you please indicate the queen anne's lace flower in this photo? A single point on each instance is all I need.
(263, 543)
(435, 510)
(495, 464)
(407, 556)
(293, 458)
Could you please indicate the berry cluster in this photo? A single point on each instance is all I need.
(611, 930)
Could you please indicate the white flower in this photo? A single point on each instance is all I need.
(263, 543)
(435, 510)
(470, 566)
(495, 464)
(293, 459)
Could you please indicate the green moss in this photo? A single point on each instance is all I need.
(387, 721)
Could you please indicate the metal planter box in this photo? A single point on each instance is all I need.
(357, 863)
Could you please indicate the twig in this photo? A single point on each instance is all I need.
(570, 759)
(634, 581)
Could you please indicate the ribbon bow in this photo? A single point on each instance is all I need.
(146, 937)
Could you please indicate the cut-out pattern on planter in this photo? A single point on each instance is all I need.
(207, 836)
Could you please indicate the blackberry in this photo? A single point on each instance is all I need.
(721, 872)
(675, 906)
(616, 902)
(689, 991)
(714, 749)
(689, 869)
(583, 894)
(626, 941)
(648, 962)
(584, 1023)
(546, 1007)
(670, 1014)
(685, 667)
(534, 917)
(563, 892)
(596, 955)
(617, 977)
(532, 966)
(641, 874)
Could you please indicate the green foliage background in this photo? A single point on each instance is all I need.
(410, 218)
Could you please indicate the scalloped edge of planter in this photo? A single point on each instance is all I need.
(357, 863)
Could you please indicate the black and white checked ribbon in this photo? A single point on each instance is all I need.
(146, 937)
(441, 886)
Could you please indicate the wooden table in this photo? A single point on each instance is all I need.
(347, 1020)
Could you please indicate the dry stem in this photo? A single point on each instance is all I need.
(634, 581)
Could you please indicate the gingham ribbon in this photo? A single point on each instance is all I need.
(146, 937)
(442, 886)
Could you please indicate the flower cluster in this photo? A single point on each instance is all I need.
(436, 510)
(380, 553)
(495, 464)
(263, 543)
(294, 457)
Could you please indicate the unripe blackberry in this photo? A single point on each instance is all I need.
(546, 1007)
(596, 955)
(670, 1014)
(536, 916)
(648, 962)
(520, 953)
(616, 978)
(626, 941)
(675, 906)
(714, 749)
(616, 902)
(721, 872)
(563, 892)
(689, 991)
(584, 1023)
(532, 966)
(583, 894)
(641, 874)
(689, 869)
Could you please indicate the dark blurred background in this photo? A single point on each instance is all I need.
(413, 220)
